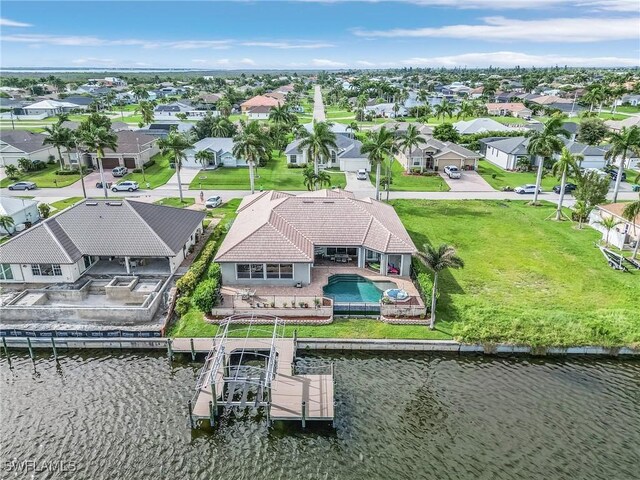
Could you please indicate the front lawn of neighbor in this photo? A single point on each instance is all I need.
(67, 202)
(498, 178)
(157, 174)
(401, 182)
(175, 202)
(46, 178)
(527, 280)
(275, 176)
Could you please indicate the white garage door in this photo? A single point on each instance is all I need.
(354, 164)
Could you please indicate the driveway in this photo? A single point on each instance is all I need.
(470, 182)
(360, 188)
(318, 105)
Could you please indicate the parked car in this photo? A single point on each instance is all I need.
(362, 174)
(108, 184)
(213, 202)
(23, 186)
(119, 171)
(452, 171)
(613, 173)
(568, 188)
(529, 188)
(126, 186)
(600, 173)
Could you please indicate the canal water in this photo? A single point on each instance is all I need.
(123, 416)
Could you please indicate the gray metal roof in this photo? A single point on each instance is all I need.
(23, 140)
(104, 228)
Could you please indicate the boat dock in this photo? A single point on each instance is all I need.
(250, 372)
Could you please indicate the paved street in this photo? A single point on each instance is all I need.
(318, 105)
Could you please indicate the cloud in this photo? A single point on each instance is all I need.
(322, 62)
(287, 45)
(545, 30)
(194, 44)
(247, 61)
(5, 22)
(511, 59)
(364, 63)
(93, 61)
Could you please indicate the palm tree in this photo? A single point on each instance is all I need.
(145, 109)
(175, 145)
(224, 107)
(140, 92)
(204, 157)
(318, 143)
(249, 145)
(221, 127)
(7, 223)
(309, 178)
(631, 213)
(96, 139)
(323, 178)
(58, 136)
(281, 115)
(465, 110)
(445, 108)
(566, 166)
(622, 144)
(438, 260)
(608, 223)
(544, 144)
(378, 146)
(410, 140)
(423, 97)
(353, 127)
(11, 171)
(595, 95)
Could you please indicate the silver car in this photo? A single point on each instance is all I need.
(213, 202)
(23, 186)
(126, 186)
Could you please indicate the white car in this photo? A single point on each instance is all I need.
(126, 186)
(119, 171)
(529, 188)
(213, 202)
(362, 174)
(453, 171)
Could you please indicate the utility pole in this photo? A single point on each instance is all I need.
(84, 191)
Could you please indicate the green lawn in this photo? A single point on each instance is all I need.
(512, 179)
(526, 279)
(175, 202)
(46, 178)
(628, 109)
(67, 202)
(275, 176)
(157, 174)
(400, 182)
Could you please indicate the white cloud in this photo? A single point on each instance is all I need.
(5, 22)
(288, 45)
(93, 61)
(365, 63)
(247, 61)
(194, 44)
(323, 62)
(511, 59)
(546, 30)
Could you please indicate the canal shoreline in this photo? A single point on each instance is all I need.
(333, 344)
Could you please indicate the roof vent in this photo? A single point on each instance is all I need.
(114, 204)
(308, 201)
(91, 204)
(328, 201)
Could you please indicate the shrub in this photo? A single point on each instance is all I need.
(296, 165)
(67, 172)
(189, 281)
(137, 170)
(44, 210)
(214, 271)
(182, 305)
(205, 295)
(425, 286)
(149, 163)
(38, 165)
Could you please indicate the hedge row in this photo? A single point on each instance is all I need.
(189, 281)
(424, 282)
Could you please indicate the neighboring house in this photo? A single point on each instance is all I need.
(22, 211)
(222, 149)
(280, 97)
(260, 101)
(632, 99)
(348, 157)
(16, 144)
(509, 109)
(481, 125)
(400, 128)
(115, 126)
(170, 110)
(62, 248)
(387, 110)
(163, 129)
(50, 108)
(625, 234)
(571, 127)
(336, 128)
(134, 149)
(435, 155)
(260, 112)
(506, 97)
(618, 125)
(81, 103)
(506, 152)
(302, 230)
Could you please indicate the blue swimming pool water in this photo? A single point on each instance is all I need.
(355, 289)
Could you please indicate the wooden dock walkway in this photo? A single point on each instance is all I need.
(305, 397)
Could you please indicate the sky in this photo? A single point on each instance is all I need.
(319, 34)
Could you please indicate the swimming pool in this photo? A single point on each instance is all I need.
(345, 288)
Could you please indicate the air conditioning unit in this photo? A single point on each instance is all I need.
(20, 227)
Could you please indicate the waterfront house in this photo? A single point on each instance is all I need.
(518, 110)
(260, 101)
(625, 235)
(480, 125)
(348, 157)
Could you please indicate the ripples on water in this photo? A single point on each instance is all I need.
(123, 416)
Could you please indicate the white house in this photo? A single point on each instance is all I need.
(222, 150)
(16, 144)
(387, 110)
(171, 110)
(259, 112)
(435, 155)
(625, 235)
(347, 157)
(22, 210)
(50, 108)
(480, 125)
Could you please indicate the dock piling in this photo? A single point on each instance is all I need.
(55, 350)
(193, 350)
(304, 414)
(212, 416)
(190, 413)
(214, 394)
(169, 349)
(30, 349)
(6, 350)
